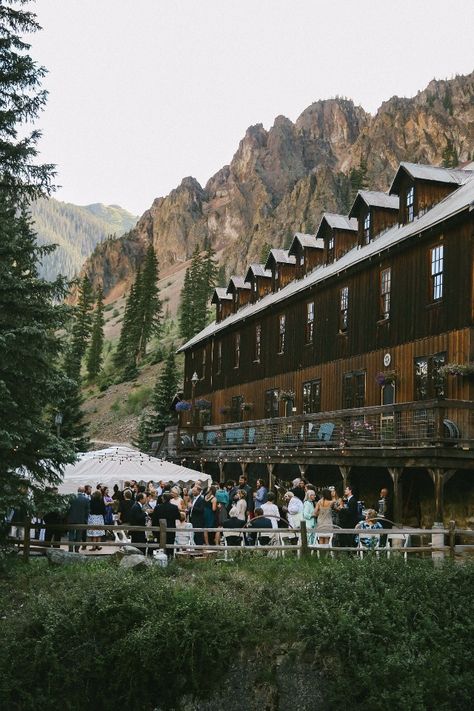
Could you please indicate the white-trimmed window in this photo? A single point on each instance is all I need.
(281, 333)
(437, 265)
(343, 309)
(385, 287)
(309, 331)
(367, 228)
(236, 350)
(410, 204)
(258, 342)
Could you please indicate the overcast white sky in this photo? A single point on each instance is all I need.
(146, 92)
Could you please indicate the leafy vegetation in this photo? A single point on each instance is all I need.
(381, 634)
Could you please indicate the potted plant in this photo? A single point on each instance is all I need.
(203, 404)
(462, 370)
(286, 395)
(246, 406)
(183, 406)
(386, 377)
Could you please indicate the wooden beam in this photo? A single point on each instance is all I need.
(345, 471)
(440, 477)
(396, 473)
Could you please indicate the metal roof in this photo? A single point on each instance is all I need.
(338, 222)
(259, 270)
(220, 294)
(306, 240)
(418, 171)
(280, 256)
(458, 201)
(374, 198)
(238, 282)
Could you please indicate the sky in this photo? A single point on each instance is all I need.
(143, 93)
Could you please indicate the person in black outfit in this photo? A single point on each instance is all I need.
(125, 505)
(169, 512)
(197, 514)
(349, 518)
(79, 510)
(260, 521)
(137, 517)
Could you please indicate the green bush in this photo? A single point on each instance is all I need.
(137, 400)
(382, 634)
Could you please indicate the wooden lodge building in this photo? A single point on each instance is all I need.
(350, 356)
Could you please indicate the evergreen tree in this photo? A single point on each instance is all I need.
(358, 179)
(199, 281)
(31, 310)
(81, 330)
(94, 357)
(149, 304)
(126, 353)
(186, 308)
(142, 441)
(264, 252)
(163, 394)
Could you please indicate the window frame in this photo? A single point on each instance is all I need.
(309, 325)
(385, 289)
(344, 309)
(311, 392)
(410, 204)
(354, 389)
(436, 277)
(429, 381)
(367, 227)
(237, 350)
(281, 334)
(258, 343)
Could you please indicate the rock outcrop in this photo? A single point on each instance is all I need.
(280, 181)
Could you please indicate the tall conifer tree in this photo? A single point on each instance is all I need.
(125, 355)
(149, 304)
(81, 330)
(94, 357)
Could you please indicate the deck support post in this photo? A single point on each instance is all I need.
(271, 478)
(303, 468)
(345, 471)
(221, 472)
(440, 477)
(396, 473)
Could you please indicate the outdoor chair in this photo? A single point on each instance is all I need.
(396, 541)
(231, 534)
(318, 546)
(325, 431)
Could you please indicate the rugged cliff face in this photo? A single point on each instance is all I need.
(281, 180)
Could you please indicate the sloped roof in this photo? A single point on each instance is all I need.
(237, 282)
(338, 222)
(374, 198)
(258, 270)
(306, 240)
(458, 201)
(220, 294)
(280, 256)
(418, 171)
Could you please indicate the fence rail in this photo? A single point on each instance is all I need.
(442, 541)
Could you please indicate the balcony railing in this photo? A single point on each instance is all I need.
(411, 424)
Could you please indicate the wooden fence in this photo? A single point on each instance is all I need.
(438, 542)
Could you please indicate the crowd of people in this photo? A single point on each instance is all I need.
(223, 506)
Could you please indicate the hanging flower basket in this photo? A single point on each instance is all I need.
(462, 370)
(386, 377)
(286, 395)
(203, 404)
(246, 406)
(182, 406)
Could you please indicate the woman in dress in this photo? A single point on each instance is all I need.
(210, 508)
(295, 509)
(176, 498)
(239, 509)
(323, 511)
(96, 519)
(370, 523)
(109, 506)
(309, 514)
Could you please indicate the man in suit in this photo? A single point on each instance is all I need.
(197, 514)
(349, 517)
(137, 517)
(78, 513)
(170, 513)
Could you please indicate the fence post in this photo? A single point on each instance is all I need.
(452, 539)
(304, 539)
(437, 540)
(163, 534)
(26, 540)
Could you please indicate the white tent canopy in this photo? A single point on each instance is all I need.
(118, 464)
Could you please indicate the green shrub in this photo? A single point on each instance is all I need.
(137, 400)
(116, 405)
(115, 313)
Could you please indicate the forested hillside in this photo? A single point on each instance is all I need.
(77, 230)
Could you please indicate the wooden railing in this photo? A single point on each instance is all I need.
(412, 424)
(438, 542)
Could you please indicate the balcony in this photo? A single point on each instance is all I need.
(411, 429)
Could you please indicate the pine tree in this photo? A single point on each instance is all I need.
(163, 394)
(94, 357)
(186, 308)
(199, 281)
(81, 330)
(149, 304)
(31, 310)
(126, 353)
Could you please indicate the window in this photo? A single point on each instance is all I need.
(343, 308)
(219, 357)
(236, 350)
(353, 390)
(385, 285)
(331, 248)
(367, 228)
(312, 396)
(281, 333)
(203, 364)
(271, 403)
(437, 260)
(309, 333)
(429, 382)
(302, 260)
(410, 204)
(258, 342)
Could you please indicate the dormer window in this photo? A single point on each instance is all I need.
(331, 248)
(302, 260)
(410, 204)
(367, 228)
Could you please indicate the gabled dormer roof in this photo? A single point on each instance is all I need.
(418, 171)
(220, 294)
(237, 282)
(372, 198)
(279, 256)
(305, 240)
(339, 222)
(258, 270)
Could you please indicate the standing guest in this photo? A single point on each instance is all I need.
(125, 506)
(96, 519)
(271, 510)
(298, 489)
(186, 499)
(260, 496)
(309, 514)
(244, 486)
(78, 513)
(53, 517)
(175, 498)
(222, 495)
(137, 517)
(108, 501)
(349, 517)
(152, 499)
(87, 494)
(295, 509)
(168, 511)
(210, 510)
(232, 488)
(197, 514)
(384, 506)
(323, 511)
(117, 495)
(239, 509)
